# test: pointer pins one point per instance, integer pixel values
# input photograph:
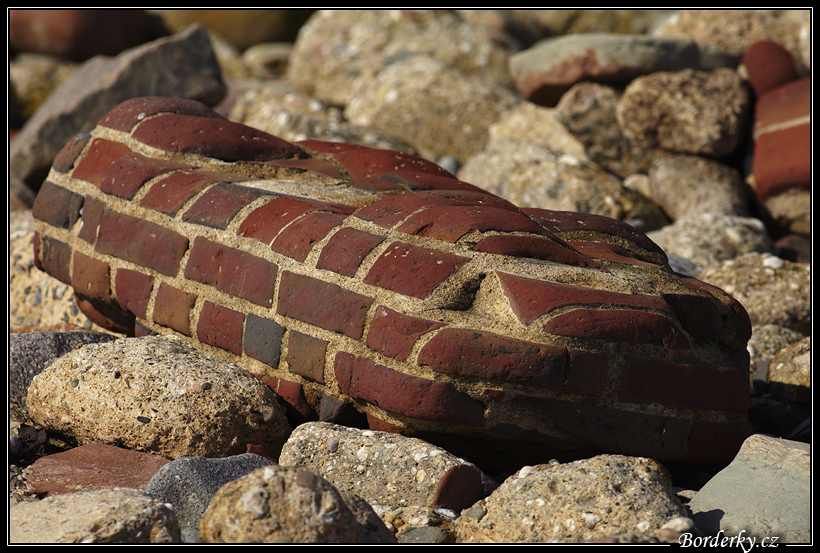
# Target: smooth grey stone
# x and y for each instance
(189, 484)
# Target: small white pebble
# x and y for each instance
(643, 526)
(773, 262)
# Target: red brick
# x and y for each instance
(133, 290)
(393, 208)
(604, 251)
(767, 65)
(706, 386)
(322, 304)
(710, 441)
(293, 398)
(530, 298)
(619, 325)
(212, 137)
(306, 356)
(219, 205)
(698, 315)
(57, 206)
(106, 315)
(266, 222)
(263, 339)
(135, 110)
(232, 271)
(402, 394)
(101, 155)
(173, 191)
(601, 428)
(586, 372)
(93, 210)
(569, 223)
(413, 270)
(298, 238)
(418, 180)
(91, 277)
(172, 308)
(496, 358)
(535, 247)
(65, 159)
(739, 318)
(394, 334)
(220, 327)
(360, 161)
(346, 250)
(128, 173)
(141, 242)
(449, 223)
(459, 488)
(54, 258)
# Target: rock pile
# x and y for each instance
(725, 198)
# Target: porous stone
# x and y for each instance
(31, 352)
(790, 373)
(344, 274)
(531, 175)
(709, 239)
(765, 343)
(189, 484)
(576, 502)
(384, 468)
(159, 395)
(736, 30)
(764, 493)
(545, 71)
(113, 516)
(277, 504)
(588, 111)
(688, 111)
(287, 112)
(773, 290)
(92, 467)
(433, 106)
(691, 185)
(337, 48)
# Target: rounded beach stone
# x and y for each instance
(117, 515)
(158, 395)
(696, 112)
(574, 502)
(278, 505)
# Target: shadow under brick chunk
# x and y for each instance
(403, 394)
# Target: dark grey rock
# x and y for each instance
(31, 352)
(189, 484)
(180, 66)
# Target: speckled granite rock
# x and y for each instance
(119, 515)
(159, 395)
(773, 290)
(574, 502)
(385, 468)
(278, 505)
(790, 373)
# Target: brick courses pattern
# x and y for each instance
(338, 273)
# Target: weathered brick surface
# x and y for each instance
(367, 283)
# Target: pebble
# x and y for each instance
(601, 130)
